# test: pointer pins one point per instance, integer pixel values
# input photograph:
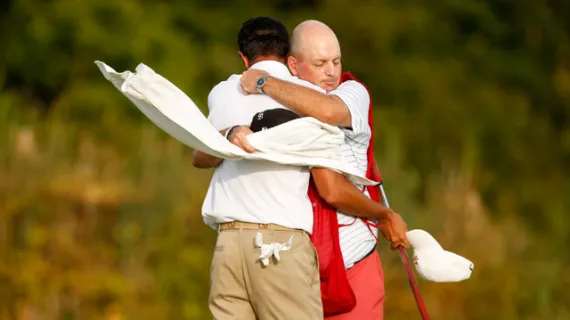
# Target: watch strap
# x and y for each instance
(229, 131)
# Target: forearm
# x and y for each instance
(308, 102)
(336, 190)
(353, 202)
(203, 160)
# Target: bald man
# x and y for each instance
(316, 57)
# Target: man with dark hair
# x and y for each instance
(246, 198)
(263, 204)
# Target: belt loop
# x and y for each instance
(219, 228)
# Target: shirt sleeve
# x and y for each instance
(357, 99)
(221, 114)
(215, 115)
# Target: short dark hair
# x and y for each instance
(262, 36)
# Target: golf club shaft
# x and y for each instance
(411, 277)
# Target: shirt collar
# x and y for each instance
(272, 67)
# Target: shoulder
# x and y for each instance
(357, 100)
(222, 102)
(354, 87)
(226, 89)
(354, 94)
(226, 86)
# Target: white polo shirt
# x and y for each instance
(356, 239)
(255, 191)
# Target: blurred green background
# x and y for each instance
(100, 209)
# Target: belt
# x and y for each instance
(253, 226)
(366, 256)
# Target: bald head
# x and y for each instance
(315, 54)
(310, 33)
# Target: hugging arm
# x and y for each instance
(203, 160)
(305, 101)
(326, 108)
(340, 193)
(337, 191)
(237, 136)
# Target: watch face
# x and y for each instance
(260, 81)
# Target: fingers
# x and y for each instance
(239, 138)
(245, 144)
(400, 241)
(394, 230)
(394, 245)
(245, 86)
(241, 141)
(398, 238)
(386, 230)
(249, 80)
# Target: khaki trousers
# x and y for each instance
(242, 288)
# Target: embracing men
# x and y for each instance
(248, 199)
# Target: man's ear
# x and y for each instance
(245, 60)
(292, 63)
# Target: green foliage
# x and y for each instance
(100, 209)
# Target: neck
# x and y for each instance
(268, 58)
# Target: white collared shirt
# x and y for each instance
(255, 191)
(356, 239)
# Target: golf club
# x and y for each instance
(411, 277)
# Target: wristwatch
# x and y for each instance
(261, 82)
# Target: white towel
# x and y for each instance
(303, 137)
(271, 249)
(433, 263)
(301, 142)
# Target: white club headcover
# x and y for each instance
(433, 263)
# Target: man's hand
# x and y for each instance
(249, 80)
(394, 230)
(238, 136)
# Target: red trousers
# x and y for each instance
(367, 281)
